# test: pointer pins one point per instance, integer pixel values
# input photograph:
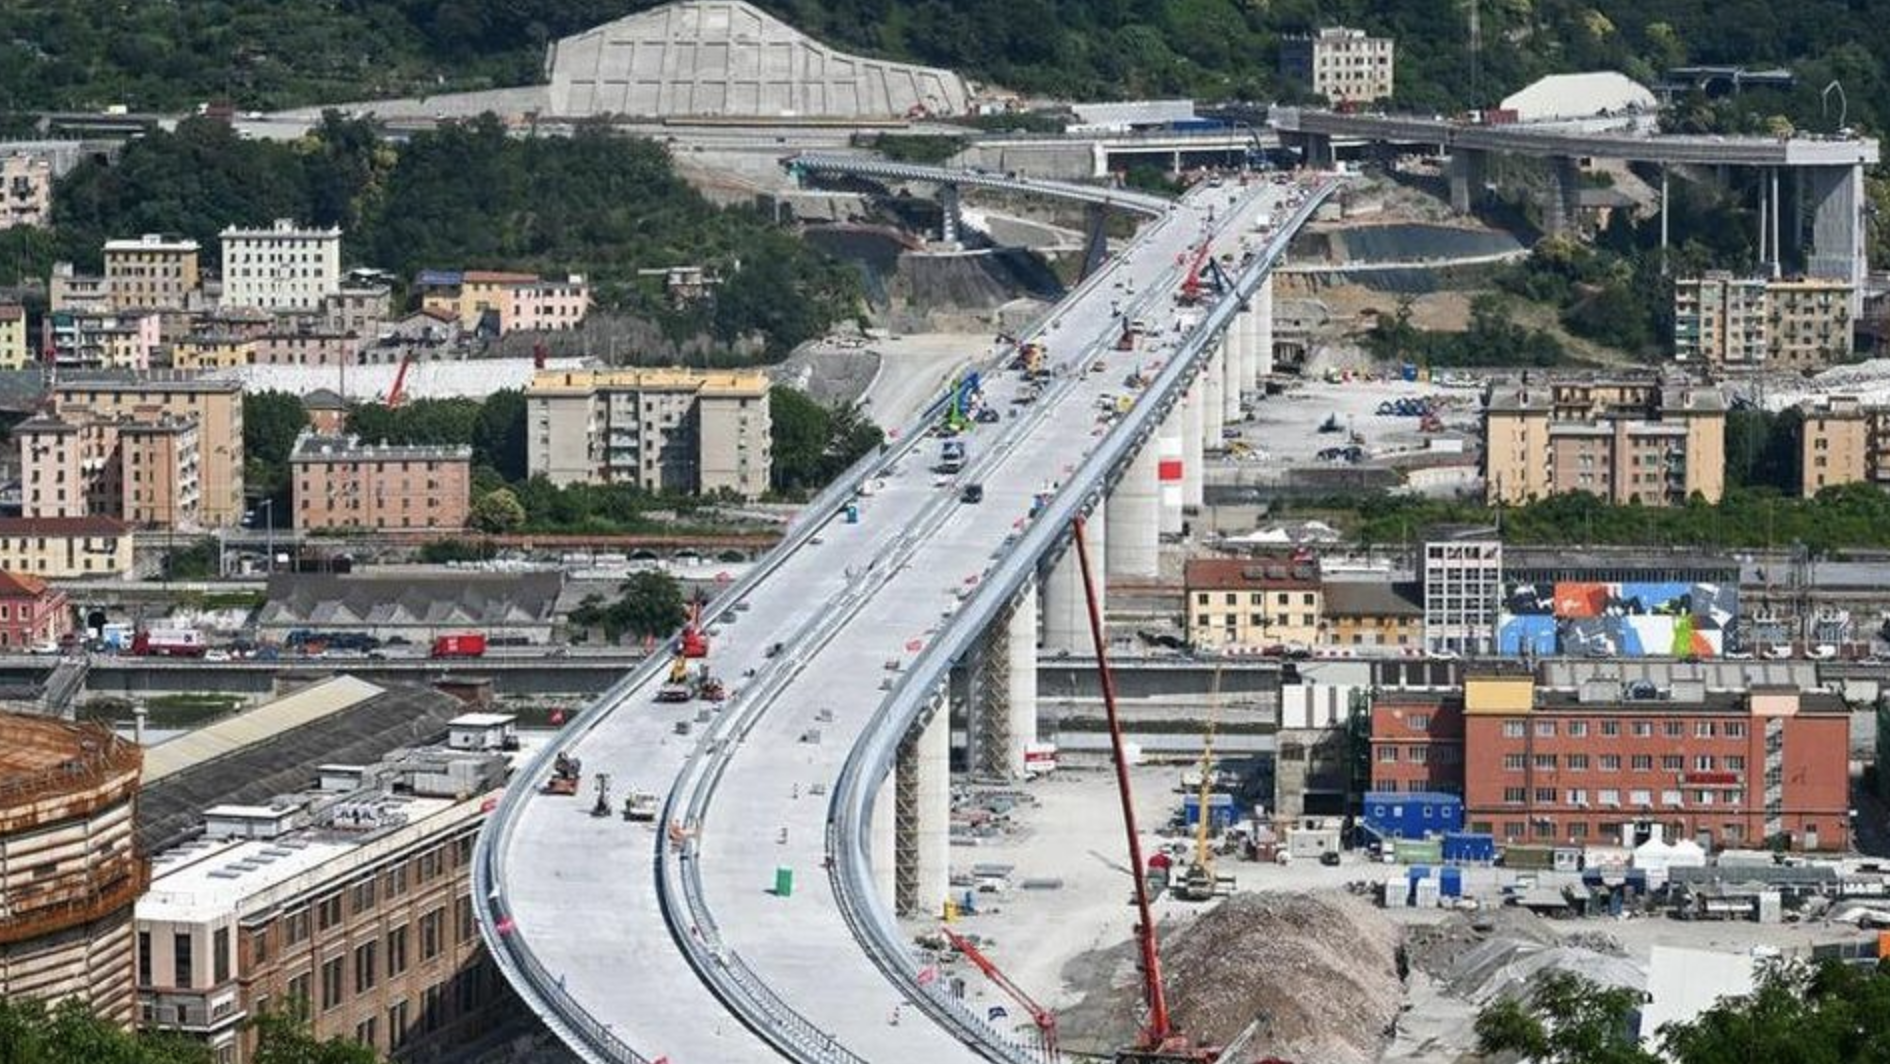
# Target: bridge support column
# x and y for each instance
(1318, 151)
(1193, 424)
(1133, 550)
(1168, 448)
(1233, 367)
(1001, 713)
(1466, 179)
(1096, 242)
(1260, 350)
(951, 215)
(1212, 384)
(1065, 613)
(885, 841)
(1836, 202)
(1561, 212)
(923, 796)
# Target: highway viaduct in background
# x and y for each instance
(757, 917)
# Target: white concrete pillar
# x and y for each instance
(1213, 383)
(1021, 635)
(884, 843)
(1233, 378)
(934, 810)
(1168, 447)
(1065, 614)
(1193, 422)
(1239, 341)
(1134, 548)
(1260, 366)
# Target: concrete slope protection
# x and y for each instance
(681, 939)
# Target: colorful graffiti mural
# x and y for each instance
(1598, 619)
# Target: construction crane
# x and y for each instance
(1199, 883)
(397, 394)
(1045, 1020)
(1159, 1042)
(695, 641)
(1192, 286)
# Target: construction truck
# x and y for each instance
(677, 686)
(566, 773)
(709, 686)
(640, 807)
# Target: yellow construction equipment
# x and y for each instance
(1198, 882)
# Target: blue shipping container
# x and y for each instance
(1220, 810)
(1397, 815)
(1469, 847)
(1452, 882)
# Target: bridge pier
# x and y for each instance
(1216, 372)
(1836, 201)
(1467, 175)
(1168, 443)
(1133, 550)
(951, 214)
(1561, 213)
(1259, 364)
(1233, 374)
(1065, 613)
(1001, 703)
(1193, 421)
(923, 800)
(1096, 240)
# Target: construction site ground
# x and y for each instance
(1070, 947)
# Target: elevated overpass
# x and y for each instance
(1816, 214)
(829, 760)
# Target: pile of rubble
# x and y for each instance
(1489, 955)
(1315, 976)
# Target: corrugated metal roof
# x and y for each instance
(234, 733)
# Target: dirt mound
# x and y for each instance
(1495, 954)
(1314, 974)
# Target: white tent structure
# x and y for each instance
(1565, 97)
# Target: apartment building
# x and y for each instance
(1417, 742)
(14, 353)
(1731, 323)
(309, 345)
(216, 404)
(59, 548)
(69, 466)
(78, 293)
(1372, 612)
(68, 868)
(359, 307)
(161, 473)
(124, 340)
(1463, 595)
(498, 302)
(1254, 603)
(351, 901)
(1722, 767)
(1622, 440)
(151, 272)
(340, 482)
(660, 429)
(282, 268)
(26, 180)
(1837, 443)
(213, 350)
(33, 613)
(1343, 65)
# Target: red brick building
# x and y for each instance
(32, 613)
(1417, 742)
(1724, 768)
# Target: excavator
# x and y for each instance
(1045, 1020)
(1198, 881)
(695, 639)
(1160, 1041)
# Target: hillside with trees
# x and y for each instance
(465, 196)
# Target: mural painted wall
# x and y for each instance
(1592, 619)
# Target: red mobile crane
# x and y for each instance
(695, 641)
(397, 394)
(1191, 285)
(1045, 1020)
(1160, 1042)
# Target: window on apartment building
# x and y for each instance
(1514, 762)
(397, 951)
(1671, 797)
(1545, 795)
(1388, 755)
(1545, 729)
(331, 983)
(1610, 728)
(298, 989)
(1672, 762)
(365, 967)
(1578, 796)
(1577, 729)
(1735, 763)
(432, 934)
(397, 1025)
(1515, 795)
(1675, 729)
(1642, 762)
(431, 1000)
(1609, 796)
(180, 960)
(1419, 721)
(144, 958)
(295, 927)
(1705, 763)
(364, 895)
(1643, 729)
(467, 931)
(1639, 797)
(1514, 729)
(328, 912)
(1544, 762)
(258, 947)
(364, 1032)
(220, 955)
(1610, 762)
(1735, 729)
(1576, 762)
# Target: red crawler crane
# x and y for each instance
(1045, 1020)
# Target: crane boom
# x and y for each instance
(397, 394)
(1203, 856)
(1045, 1020)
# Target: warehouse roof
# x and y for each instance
(231, 734)
(436, 600)
(1373, 598)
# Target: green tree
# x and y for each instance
(1564, 1019)
(498, 438)
(71, 1033)
(271, 422)
(285, 1037)
(498, 511)
(650, 605)
(799, 430)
